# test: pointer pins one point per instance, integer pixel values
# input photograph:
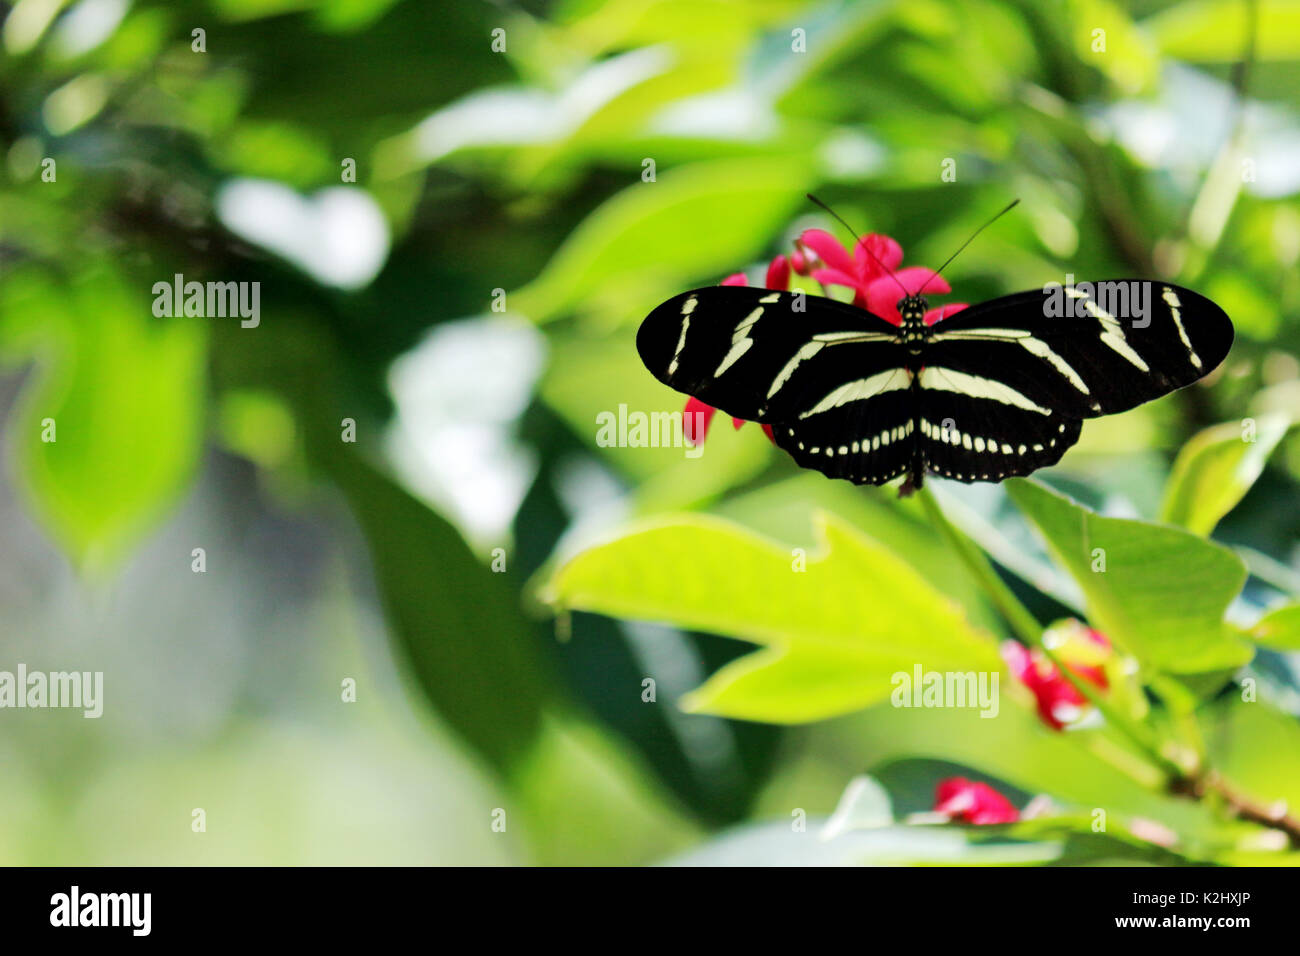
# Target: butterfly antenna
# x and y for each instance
(854, 232)
(1011, 205)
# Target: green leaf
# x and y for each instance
(1278, 629)
(786, 510)
(1163, 591)
(457, 624)
(701, 222)
(1035, 843)
(1128, 58)
(1079, 769)
(1215, 469)
(834, 635)
(1215, 31)
(864, 805)
(458, 627)
(1256, 748)
(108, 436)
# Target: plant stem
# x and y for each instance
(1030, 632)
(1198, 786)
(1022, 623)
(1196, 783)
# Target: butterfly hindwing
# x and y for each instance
(972, 439)
(866, 439)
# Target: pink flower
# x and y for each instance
(973, 802)
(696, 418)
(1082, 649)
(868, 273)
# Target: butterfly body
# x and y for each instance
(994, 390)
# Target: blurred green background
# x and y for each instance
(457, 214)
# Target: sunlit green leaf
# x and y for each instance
(108, 435)
(1278, 629)
(1215, 470)
(703, 220)
(834, 634)
(1159, 592)
(1034, 843)
(453, 620)
(786, 511)
(1216, 30)
(1105, 38)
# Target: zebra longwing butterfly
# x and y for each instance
(996, 390)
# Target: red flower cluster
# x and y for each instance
(1083, 650)
(972, 802)
(869, 271)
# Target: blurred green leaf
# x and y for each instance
(1035, 843)
(1256, 747)
(1126, 55)
(1163, 591)
(702, 220)
(589, 378)
(456, 625)
(587, 802)
(1254, 307)
(834, 634)
(455, 621)
(1278, 629)
(1215, 469)
(864, 805)
(786, 511)
(1078, 769)
(1215, 31)
(274, 150)
(121, 394)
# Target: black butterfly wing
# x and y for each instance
(761, 355)
(1007, 383)
(829, 377)
(1122, 343)
(1000, 389)
(867, 440)
(985, 439)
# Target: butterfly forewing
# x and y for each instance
(763, 355)
(1109, 353)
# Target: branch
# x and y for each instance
(1195, 786)
(1275, 817)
